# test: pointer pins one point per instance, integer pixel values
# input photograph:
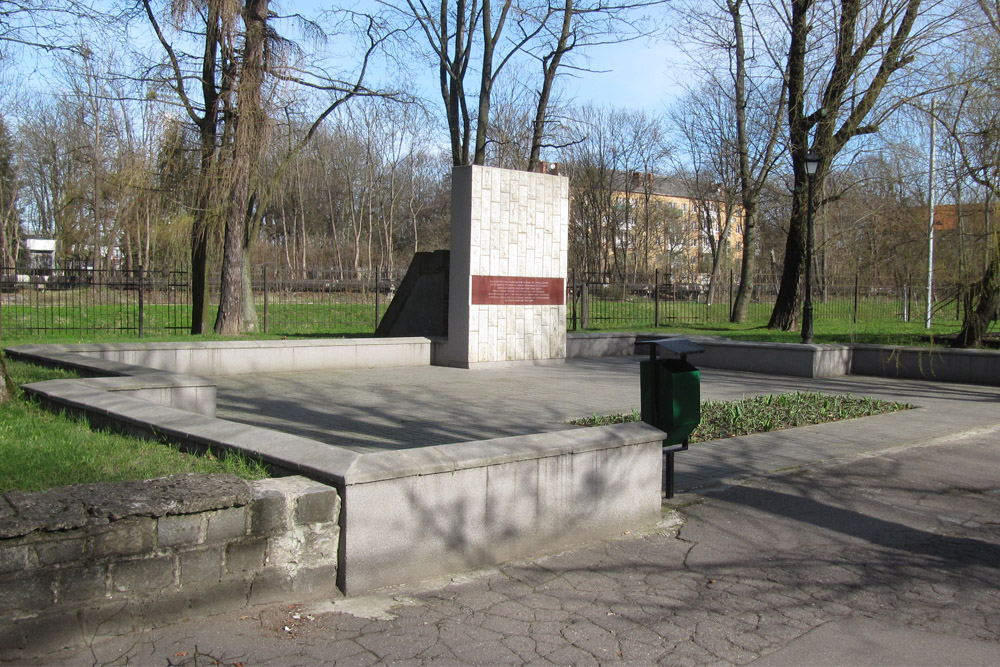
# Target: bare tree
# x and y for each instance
(214, 68)
(31, 25)
(704, 118)
(10, 185)
(497, 35)
(757, 144)
(9, 236)
(57, 175)
(740, 101)
(570, 27)
(454, 32)
(972, 121)
(249, 137)
(231, 187)
(612, 168)
(840, 62)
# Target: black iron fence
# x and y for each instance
(151, 302)
(660, 301)
(336, 302)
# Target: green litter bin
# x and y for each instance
(671, 399)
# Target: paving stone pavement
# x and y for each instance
(887, 558)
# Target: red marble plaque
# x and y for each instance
(517, 291)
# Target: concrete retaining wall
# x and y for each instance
(599, 344)
(915, 363)
(773, 358)
(242, 357)
(414, 513)
(940, 364)
(457, 507)
(80, 562)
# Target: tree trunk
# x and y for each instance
(719, 256)
(744, 293)
(8, 390)
(550, 66)
(982, 307)
(208, 127)
(799, 125)
(784, 315)
(247, 150)
(249, 307)
(199, 274)
(250, 230)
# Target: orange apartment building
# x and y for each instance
(656, 222)
(683, 219)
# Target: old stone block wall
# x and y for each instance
(83, 561)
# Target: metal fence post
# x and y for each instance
(378, 271)
(142, 314)
(857, 289)
(584, 305)
(572, 293)
(656, 298)
(266, 298)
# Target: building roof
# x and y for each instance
(665, 186)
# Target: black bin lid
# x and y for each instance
(679, 346)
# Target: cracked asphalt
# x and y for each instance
(888, 557)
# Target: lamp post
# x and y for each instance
(811, 164)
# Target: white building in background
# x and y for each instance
(41, 256)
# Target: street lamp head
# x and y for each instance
(811, 163)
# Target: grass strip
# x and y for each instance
(760, 414)
(41, 450)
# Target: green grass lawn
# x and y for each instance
(83, 315)
(39, 449)
(833, 322)
(320, 315)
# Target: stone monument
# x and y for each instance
(507, 275)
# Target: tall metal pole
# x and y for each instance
(807, 307)
(930, 230)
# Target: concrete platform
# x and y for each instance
(478, 431)
(406, 515)
(405, 408)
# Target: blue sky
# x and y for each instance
(633, 74)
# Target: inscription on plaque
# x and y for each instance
(517, 291)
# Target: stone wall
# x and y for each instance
(84, 561)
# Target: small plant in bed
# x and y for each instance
(759, 414)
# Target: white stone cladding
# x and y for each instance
(509, 224)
